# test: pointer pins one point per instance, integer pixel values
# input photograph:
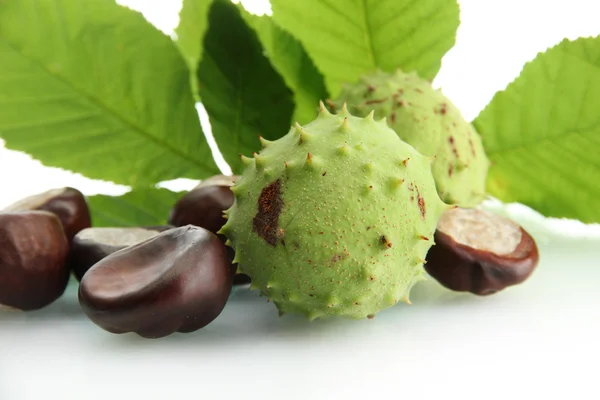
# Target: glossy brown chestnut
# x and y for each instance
(93, 244)
(480, 252)
(33, 252)
(177, 281)
(204, 205)
(67, 203)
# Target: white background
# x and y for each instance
(537, 340)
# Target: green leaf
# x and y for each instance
(243, 95)
(293, 63)
(349, 38)
(139, 207)
(92, 87)
(542, 133)
(193, 22)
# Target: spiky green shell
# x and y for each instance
(426, 119)
(335, 218)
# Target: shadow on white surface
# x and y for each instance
(568, 276)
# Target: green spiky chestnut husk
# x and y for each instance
(426, 119)
(335, 218)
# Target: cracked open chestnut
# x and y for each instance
(203, 206)
(93, 244)
(67, 203)
(33, 252)
(480, 252)
(177, 281)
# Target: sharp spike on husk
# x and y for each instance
(344, 110)
(264, 142)
(323, 111)
(397, 182)
(345, 126)
(247, 161)
(304, 137)
(309, 158)
(344, 149)
(259, 160)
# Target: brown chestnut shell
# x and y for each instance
(204, 205)
(178, 281)
(67, 203)
(33, 252)
(463, 268)
(86, 250)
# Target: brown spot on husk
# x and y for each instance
(453, 146)
(266, 221)
(338, 257)
(421, 203)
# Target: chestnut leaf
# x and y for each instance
(242, 93)
(288, 57)
(542, 133)
(139, 207)
(349, 38)
(92, 87)
(193, 22)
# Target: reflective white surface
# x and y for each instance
(538, 340)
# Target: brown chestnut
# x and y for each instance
(203, 206)
(33, 252)
(93, 244)
(67, 203)
(480, 252)
(177, 281)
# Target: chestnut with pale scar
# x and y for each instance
(177, 281)
(93, 244)
(480, 252)
(67, 203)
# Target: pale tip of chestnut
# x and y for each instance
(35, 201)
(218, 180)
(91, 245)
